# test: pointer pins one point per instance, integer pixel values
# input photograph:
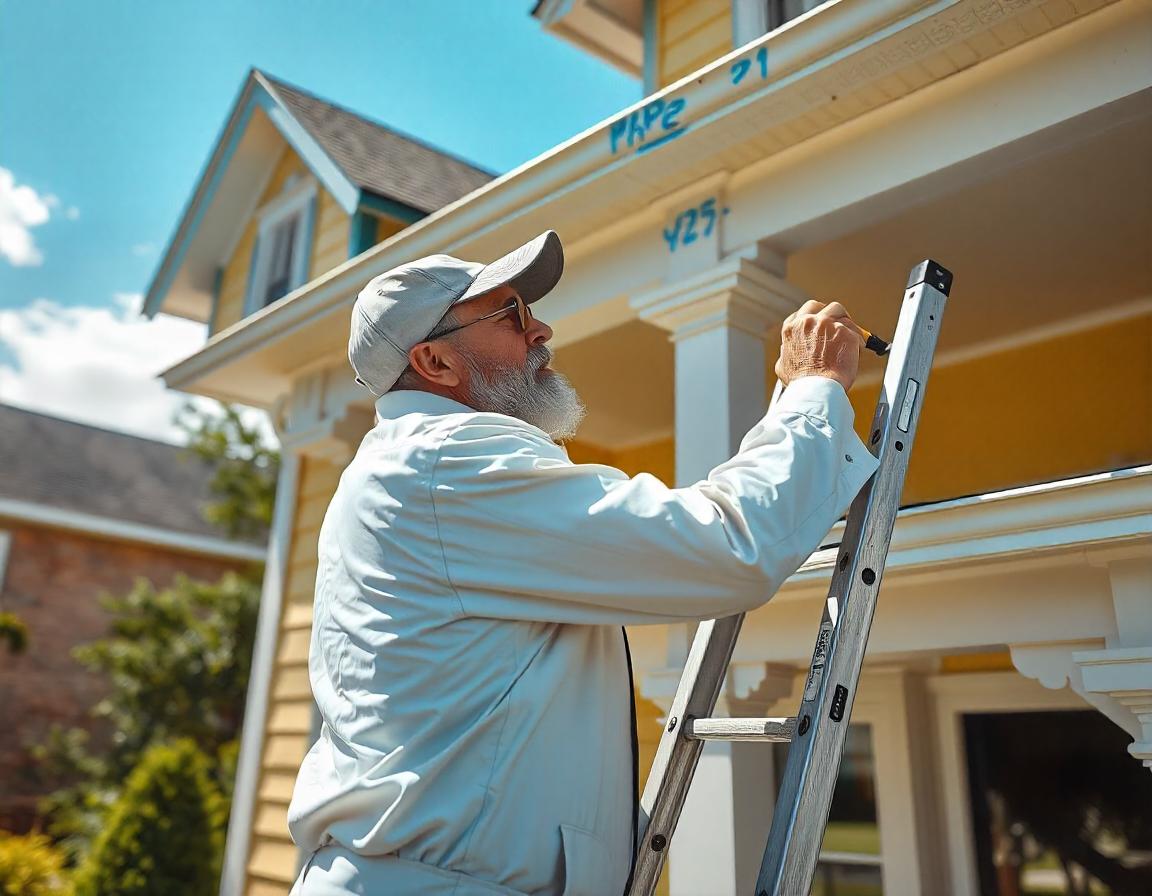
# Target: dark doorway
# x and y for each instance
(1058, 805)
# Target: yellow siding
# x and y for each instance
(690, 34)
(386, 227)
(272, 858)
(330, 233)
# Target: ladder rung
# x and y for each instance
(769, 730)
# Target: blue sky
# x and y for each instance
(109, 110)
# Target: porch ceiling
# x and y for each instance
(1061, 242)
(1065, 236)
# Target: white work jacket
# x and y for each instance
(466, 653)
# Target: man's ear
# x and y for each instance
(436, 362)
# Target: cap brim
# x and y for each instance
(532, 270)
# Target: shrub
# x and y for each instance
(163, 835)
(30, 866)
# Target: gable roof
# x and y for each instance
(70, 466)
(360, 162)
(380, 159)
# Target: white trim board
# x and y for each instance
(123, 530)
(5, 545)
(1085, 511)
(236, 847)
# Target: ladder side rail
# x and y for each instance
(804, 798)
(677, 755)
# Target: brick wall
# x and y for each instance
(53, 582)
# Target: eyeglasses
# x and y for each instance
(523, 318)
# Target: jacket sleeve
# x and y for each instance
(527, 534)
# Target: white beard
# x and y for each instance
(548, 402)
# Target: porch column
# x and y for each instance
(718, 319)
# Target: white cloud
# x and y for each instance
(21, 209)
(143, 249)
(97, 365)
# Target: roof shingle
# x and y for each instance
(378, 158)
(72, 466)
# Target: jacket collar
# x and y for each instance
(392, 405)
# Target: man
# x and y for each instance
(467, 653)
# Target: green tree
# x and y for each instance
(177, 659)
(163, 835)
(245, 467)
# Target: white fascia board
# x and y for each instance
(201, 197)
(345, 192)
(122, 530)
(1086, 511)
(816, 54)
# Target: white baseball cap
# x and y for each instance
(398, 309)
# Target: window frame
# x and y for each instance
(296, 200)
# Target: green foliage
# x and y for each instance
(164, 834)
(177, 659)
(31, 866)
(13, 632)
(245, 467)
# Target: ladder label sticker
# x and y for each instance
(819, 655)
(839, 702)
(905, 418)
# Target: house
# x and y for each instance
(787, 150)
(84, 512)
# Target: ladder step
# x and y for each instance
(767, 730)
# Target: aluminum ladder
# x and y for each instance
(817, 732)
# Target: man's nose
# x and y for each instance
(538, 332)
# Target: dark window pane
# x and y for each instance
(850, 852)
(1058, 805)
(280, 260)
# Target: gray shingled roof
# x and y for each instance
(380, 159)
(71, 466)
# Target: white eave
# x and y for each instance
(613, 30)
(1103, 511)
(824, 68)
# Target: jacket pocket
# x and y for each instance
(586, 871)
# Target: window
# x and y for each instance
(280, 254)
(850, 862)
(781, 11)
(752, 19)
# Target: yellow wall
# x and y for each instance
(1064, 407)
(657, 458)
(1060, 408)
(272, 857)
(690, 34)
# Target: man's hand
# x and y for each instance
(820, 340)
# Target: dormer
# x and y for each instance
(294, 186)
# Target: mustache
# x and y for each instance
(538, 357)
